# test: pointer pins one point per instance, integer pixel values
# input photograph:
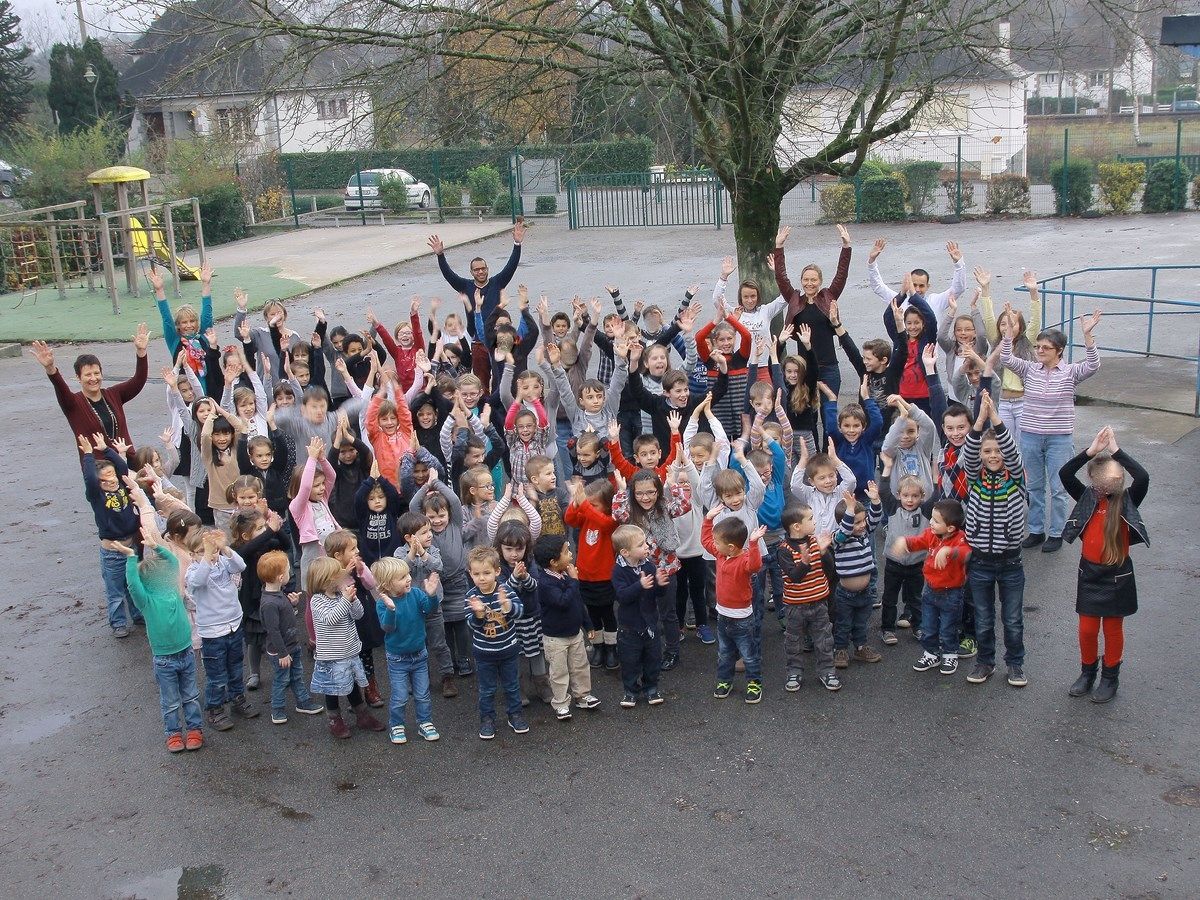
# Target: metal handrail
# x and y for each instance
(1068, 296)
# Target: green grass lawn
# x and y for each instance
(1100, 140)
(85, 316)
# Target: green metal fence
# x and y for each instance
(693, 197)
(1190, 161)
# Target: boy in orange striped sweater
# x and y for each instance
(805, 591)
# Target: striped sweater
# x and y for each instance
(996, 502)
(855, 554)
(495, 632)
(1049, 393)
(803, 579)
(333, 625)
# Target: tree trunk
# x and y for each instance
(755, 223)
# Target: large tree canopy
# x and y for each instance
(738, 65)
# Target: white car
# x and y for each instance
(367, 196)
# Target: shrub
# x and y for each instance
(484, 184)
(503, 205)
(1166, 187)
(1078, 186)
(393, 195)
(871, 168)
(837, 203)
(546, 205)
(950, 186)
(60, 163)
(222, 214)
(452, 194)
(882, 199)
(1196, 192)
(1008, 193)
(922, 179)
(1119, 182)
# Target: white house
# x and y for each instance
(982, 107)
(183, 84)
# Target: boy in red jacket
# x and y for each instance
(591, 512)
(738, 560)
(945, 572)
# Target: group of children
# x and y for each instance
(302, 505)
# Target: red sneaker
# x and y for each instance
(175, 743)
(195, 739)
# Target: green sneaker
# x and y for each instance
(754, 691)
(966, 648)
(723, 689)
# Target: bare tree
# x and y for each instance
(736, 63)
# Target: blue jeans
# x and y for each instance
(736, 637)
(1044, 456)
(176, 677)
(562, 459)
(853, 611)
(941, 612)
(409, 674)
(770, 569)
(832, 376)
(222, 668)
(985, 577)
(291, 677)
(116, 594)
(492, 670)
(640, 653)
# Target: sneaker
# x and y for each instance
(587, 701)
(628, 701)
(242, 709)
(654, 698)
(175, 743)
(841, 659)
(723, 690)
(705, 634)
(967, 648)
(1052, 545)
(889, 638)
(518, 724)
(252, 682)
(669, 661)
(753, 691)
(397, 735)
(807, 645)
(1032, 541)
(279, 717)
(981, 673)
(121, 631)
(949, 665)
(793, 683)
(1016, 676)
(195, 739)
(487, 729)
(311, 708)
(926, 662)
(219, 719)
(831, 681)
(427, 731)
(868, 654)
(878, 604)
(562, 713)
(904, 622)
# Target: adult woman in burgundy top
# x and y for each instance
(810, 305)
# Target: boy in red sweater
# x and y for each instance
(738, 559)
(945, 572)
(591, 512)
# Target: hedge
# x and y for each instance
(1078, 186)
(546, 205)
(318, 171)
(1166, 187)
(1119, 182)
(922, 178)
(882, 199)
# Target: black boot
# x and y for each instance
(1107, 688)
(595, 655)
(610, 657)
(1087, 677)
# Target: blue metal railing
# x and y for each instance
(1068, 296)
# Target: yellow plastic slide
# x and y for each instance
(142, 237)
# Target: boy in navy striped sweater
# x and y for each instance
(854, 559)
(996, 511)
(495, 609)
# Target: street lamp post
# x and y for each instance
(89, 75)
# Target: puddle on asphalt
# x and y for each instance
(35, 728)
(186, 883)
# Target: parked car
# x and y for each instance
(362, 190)
(1186, 106)
(9, 176)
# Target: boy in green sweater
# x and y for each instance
(154, 588)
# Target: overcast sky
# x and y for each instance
(45, 21)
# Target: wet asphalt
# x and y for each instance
(900, 784)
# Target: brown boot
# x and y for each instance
(867, 653)
(338, 727)
(367, 722)
(449, 688)
(372, 694)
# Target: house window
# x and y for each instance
(1048, 78)
(1097, 79)
(947, 112)
(332, 109)
(237, 123)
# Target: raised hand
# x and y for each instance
(844, 235)
(85, 446)
(907, 286)
(1099, 442)
(876, 249)
(206, 274)
(1089, 323)
(863, 391)
(120, 446)
(518, 230)
(316, 448)
(758, 533)
(952, 249)
(99, 442)
(983, 277)
(1029, 279)
(241, 298)
(835, 315)
(782, 235)
(674, 419)
(929, 358)
(414, 306)
(873, 492)
(952, 302)
(436, 245)
(897, 315)
(141, 338)
(154, 276)
(43, 354)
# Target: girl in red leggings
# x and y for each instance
(1106, 518)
